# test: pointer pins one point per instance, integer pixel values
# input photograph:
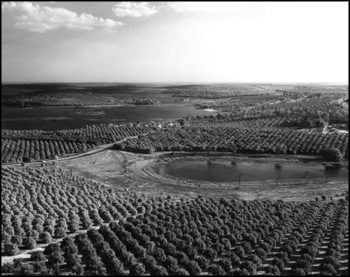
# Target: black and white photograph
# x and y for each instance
(174, 138)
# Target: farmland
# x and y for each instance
(19, 146)
(162, 235)
(226, 139)
(91, 200)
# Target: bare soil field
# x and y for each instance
(109, 167)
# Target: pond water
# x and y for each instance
(56, 118)
(226, 172)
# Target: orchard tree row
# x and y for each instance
(40, 204)
(102, 133)
(305, 114)
(229, 139)
(30, 146)
(302, 112)
(205, 92)
(304, 244)
(215, 237)
(30, 150)
(241, 101)
(239, 122)
(310, 92)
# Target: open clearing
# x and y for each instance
(107, 167)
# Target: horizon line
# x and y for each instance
(187, 82)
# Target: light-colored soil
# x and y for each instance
(141, 176)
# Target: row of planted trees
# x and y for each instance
(245, 139)
(304, 243)
(29, 146)
(18, 151)
(191, 237)
(159, 236)
(41, 204)
(102, 132)
(257, 122)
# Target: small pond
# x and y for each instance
(226, 172)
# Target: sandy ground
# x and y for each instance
(141, 176)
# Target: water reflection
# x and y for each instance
(226, 172)
(78, 117)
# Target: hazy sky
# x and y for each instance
(175, 42)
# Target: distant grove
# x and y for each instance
(300, 113)
(247, 120)
(252, 140)
(254, 136)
